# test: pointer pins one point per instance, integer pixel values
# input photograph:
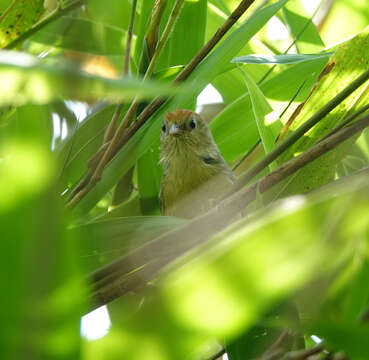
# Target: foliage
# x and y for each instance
(255, 279)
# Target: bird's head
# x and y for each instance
(185, 130)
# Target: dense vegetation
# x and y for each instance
(279, 270)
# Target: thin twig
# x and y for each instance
(299, 132)
(305, 353)
(54, 15)
(132, 271)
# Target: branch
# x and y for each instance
(305, 353)
(56, 14)
(134, 270)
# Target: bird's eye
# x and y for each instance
(192, 123)
(163, 128)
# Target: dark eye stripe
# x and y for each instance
(210, 160)
(192, 124)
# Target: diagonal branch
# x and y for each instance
(134, 270)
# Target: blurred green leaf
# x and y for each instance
(351, 338)
(74, 152)
(98, 38)
(116, 14)
(345, 19)
(27, 79)
(39, 267)
(224, 287)
(107, 239)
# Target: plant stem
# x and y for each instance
(132, 271)
(54, 15)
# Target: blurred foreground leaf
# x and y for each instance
(39, 268)
(222, 291)
(26, 79)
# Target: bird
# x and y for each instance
(195, 175)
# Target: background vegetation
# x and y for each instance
(83, 88)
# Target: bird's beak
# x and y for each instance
(174, 129)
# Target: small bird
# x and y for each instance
(195, 173)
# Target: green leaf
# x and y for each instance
(143, 21)
(26, 79)
(149, 174)
(98, 38)
(279, 59)
(302, 28)
(350, 337)
(189, 30)
(107, 239)
(261, 108)
(74, 152)
(230, 84)
(347, 64)
(17, 17)
(116, 14)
